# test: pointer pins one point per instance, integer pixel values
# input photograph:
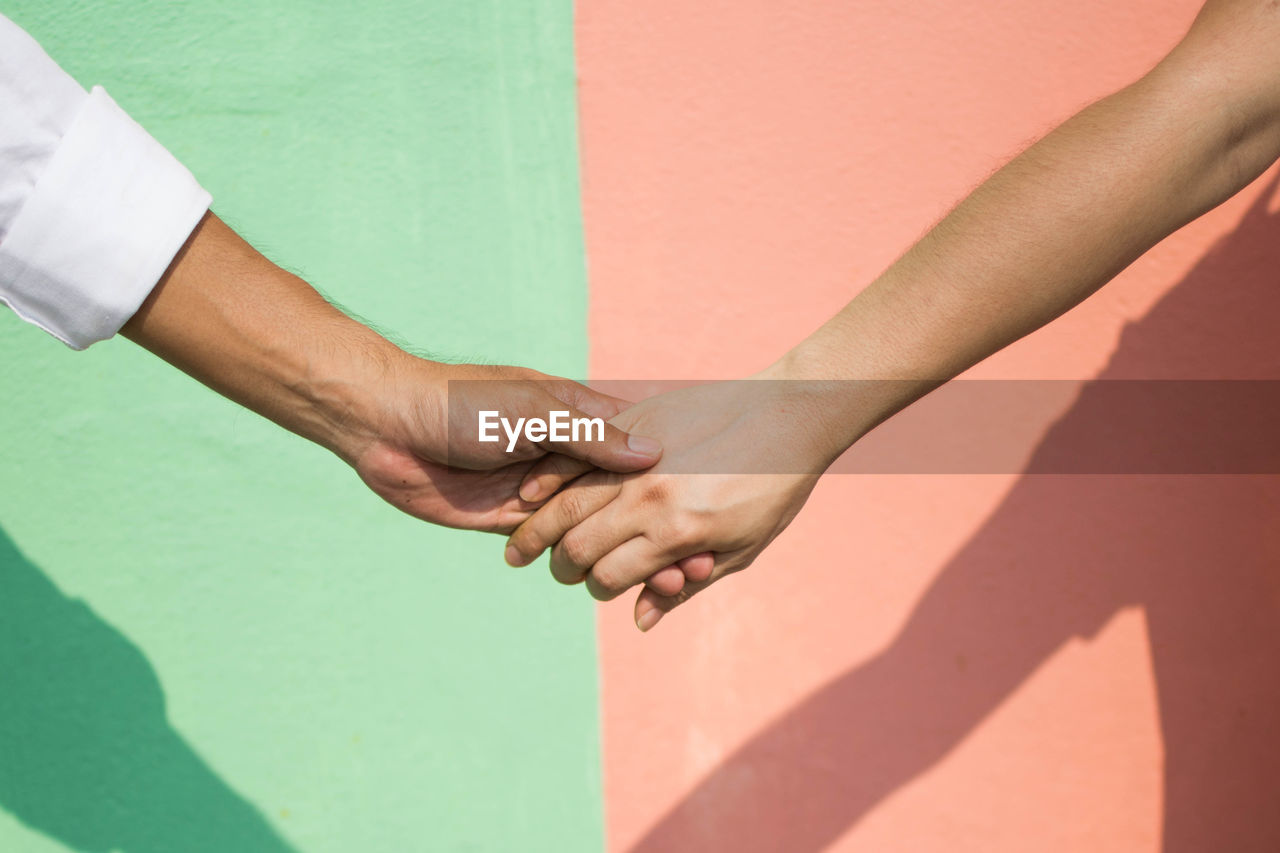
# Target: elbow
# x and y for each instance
(1227, 69)
(1228, 118)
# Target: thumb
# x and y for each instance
(596, 441)
(595, 403)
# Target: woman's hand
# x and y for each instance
(740, 459)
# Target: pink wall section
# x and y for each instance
(924, 663)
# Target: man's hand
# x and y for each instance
(251, 331)
(426, 461)
(741, 459)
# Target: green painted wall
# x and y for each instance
(211, 637)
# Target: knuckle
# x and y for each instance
(573, 505)
(609, 584)
(683, 530)
(574, 550)
(566, 577)
(562, 571)
(586, 495)
(523, 377)
(532, 399)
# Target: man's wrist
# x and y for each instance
(363, 390)
(266, 339)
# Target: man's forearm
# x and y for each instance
(1044, 232)
(265, 338)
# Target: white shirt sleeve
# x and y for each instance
(92, 209)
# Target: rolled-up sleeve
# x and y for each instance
(92, 209)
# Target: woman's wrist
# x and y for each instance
(826, 411)
(847, 392)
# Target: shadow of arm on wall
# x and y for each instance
(87, 755)
(1055, 561)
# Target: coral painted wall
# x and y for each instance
(924, 663)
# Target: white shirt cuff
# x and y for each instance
(101, 226)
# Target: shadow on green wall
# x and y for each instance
(87, 755)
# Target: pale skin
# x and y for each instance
(1046, 231)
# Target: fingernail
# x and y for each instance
(513, 556)
(531, 491)
(644, 445)
(648, 619)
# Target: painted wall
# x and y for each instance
(212, 638)
(924, 663)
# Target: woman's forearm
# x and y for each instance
(1047, 230)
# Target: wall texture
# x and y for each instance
(212, 638)
(924, 663)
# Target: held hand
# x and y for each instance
(424, 457)
(740, 460)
